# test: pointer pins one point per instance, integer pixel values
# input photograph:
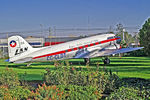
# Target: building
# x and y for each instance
(57, 40)
(34, 42)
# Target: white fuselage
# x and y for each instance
(93, 46)
(69, 50)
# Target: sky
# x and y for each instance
(21, 15)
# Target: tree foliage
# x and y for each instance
(127, 39)
(144, 37)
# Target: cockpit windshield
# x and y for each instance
(110, 37)
(118, 41)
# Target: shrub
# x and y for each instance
(137, 53)
(55, 77)
(145, 94)
(16, 93)
(9, 78)
(124, 93)
(108, 82)
(104, 81)
(19, 92)
(69, 92)
(73, 92)
(47, 93)
(64, 76)
(3, 90)
(136, 83)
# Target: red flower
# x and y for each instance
(73, 68)
(54, 87)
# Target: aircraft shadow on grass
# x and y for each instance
(81, 63)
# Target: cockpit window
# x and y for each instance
(118, 41)
(110, 37)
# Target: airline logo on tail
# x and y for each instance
(13, 43)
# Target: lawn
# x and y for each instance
(124, 67)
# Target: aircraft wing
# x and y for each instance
(105, 52)
(122, 50)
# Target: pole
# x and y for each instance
(55, 34)
(123, 33)
(41, 33)
(49, 36)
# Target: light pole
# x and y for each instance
(41, 33)
(123, 32)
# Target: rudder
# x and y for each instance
(17, 46)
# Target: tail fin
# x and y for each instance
(17, 46)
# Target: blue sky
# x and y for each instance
(17, 15)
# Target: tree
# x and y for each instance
(144, 37)
(1, 53)
(128, 39)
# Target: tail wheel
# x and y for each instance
(86, 60)
(106, 60)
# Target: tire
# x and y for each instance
(106, 61)
(86, 60)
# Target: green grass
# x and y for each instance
(125, 67)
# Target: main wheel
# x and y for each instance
(106, 61)
(86, 60)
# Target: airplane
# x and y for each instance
(98, 45)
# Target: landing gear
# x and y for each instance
(106, 61)
(29, 64)
(87, 60)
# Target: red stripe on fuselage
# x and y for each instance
(69, 50)
(109, 40)
(86, 46)
(81, 47)
(91, 44)
(75, 48)
(56, 53)
(96, 43)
